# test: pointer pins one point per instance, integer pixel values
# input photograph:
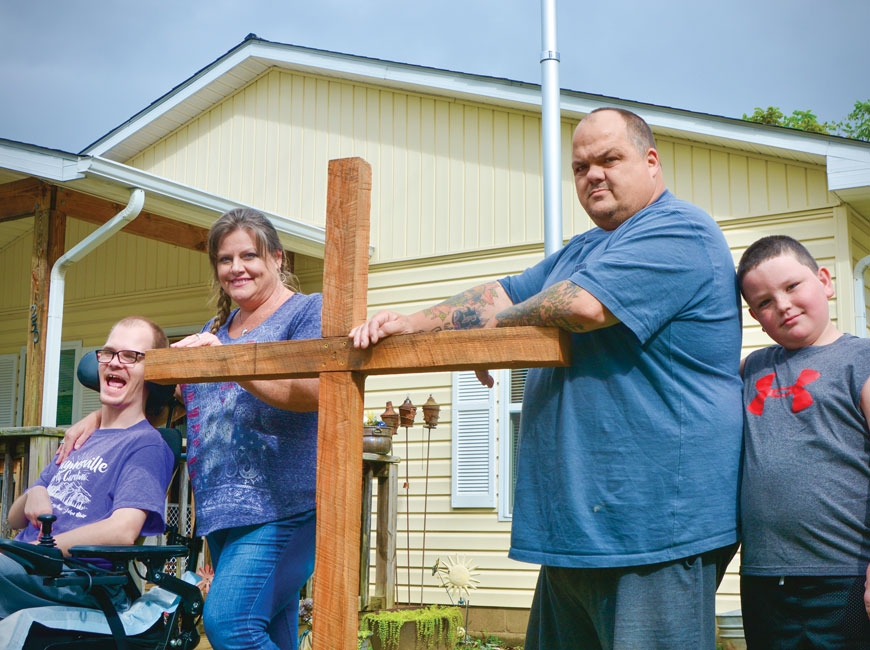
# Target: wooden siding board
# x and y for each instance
(489, 232)
(517, 188)
(405, 225)
(738, 169)
(534, 199)
(701, 179)
(470, 216)
(456, 166)
(777, 188)
(413, 177)
(682, 179)
(817, 188)
(796, 187)
(501, 179)
(720, 184)
(758, 187)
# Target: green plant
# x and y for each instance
(490, 642)
(433, 622)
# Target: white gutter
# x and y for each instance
(551, 129)
(55, 299)
(860, 301)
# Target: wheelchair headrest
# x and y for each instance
(172, 437)
(159, 395)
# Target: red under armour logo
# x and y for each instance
(801, 397)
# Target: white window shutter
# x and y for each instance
(473, 480)
(8, 388)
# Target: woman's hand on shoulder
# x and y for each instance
(76, 435)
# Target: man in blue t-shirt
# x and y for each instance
(626, 488)
(109, 491)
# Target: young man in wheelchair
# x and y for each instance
(108, 492)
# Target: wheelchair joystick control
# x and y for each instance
(46, 538)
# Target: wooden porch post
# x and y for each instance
(49, 232)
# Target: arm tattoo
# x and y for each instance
(550, 308)
(467, 310)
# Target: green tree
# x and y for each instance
(857, 123)
(772, 115)
(806, 121)
(803, 120)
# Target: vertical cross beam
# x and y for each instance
(339, 445)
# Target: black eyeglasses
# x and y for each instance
(127, 357)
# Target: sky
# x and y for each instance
(73, 70)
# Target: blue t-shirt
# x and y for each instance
(115, 468)
(249, 462)
(630, 456)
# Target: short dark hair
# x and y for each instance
(158, 336)
(639, 133)
(773, 246)
(158, 396)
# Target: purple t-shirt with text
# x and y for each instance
(115, 468)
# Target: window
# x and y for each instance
(70, 392)
(8, 383)
(513, 382)
(66, 380)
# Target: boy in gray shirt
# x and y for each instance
(805, 493)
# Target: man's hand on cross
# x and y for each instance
(380, 326)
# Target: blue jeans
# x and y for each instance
(253, 603)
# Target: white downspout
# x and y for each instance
(54, 322)
(551, 129)
(860, 302)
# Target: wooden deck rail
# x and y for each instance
(24, 451)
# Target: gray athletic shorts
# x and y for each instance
(668, 606)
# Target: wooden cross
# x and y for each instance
(342, 370)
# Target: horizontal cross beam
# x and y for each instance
(506, 347)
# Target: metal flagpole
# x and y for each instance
(551, 127)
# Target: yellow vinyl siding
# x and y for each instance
(15, 262)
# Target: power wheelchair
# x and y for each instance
(174, 604)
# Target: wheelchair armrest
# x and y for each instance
(36, 560)
(116, 554)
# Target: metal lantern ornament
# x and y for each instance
(390, 417)
(407, 413)
(431, 409)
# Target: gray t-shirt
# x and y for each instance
(805, 494)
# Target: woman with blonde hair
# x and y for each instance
(252, 445)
